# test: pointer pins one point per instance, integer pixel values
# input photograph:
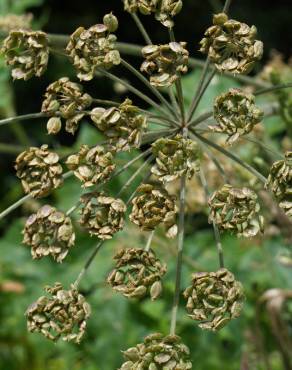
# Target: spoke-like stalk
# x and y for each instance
(273, 88)
(135, 91)
(150, 87)
(88, 263)
(180, 99)
(11, 149)
(149, 241)
(215, 228)
(232, 156)
(226, 6)
(23, 117)
(141, 28)
(203, 117)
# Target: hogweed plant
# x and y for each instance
(177, 151)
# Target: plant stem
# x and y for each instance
(203, 117)
(273, 88)
(22, 118)
(106, 102)
(149, 241)
(88, 263)
(134, 91)
(11, 149)
(232, 156)
(215, 228)
(148, 84)
(180, 99)
(14, 206)
(226, 6)
(141, 28)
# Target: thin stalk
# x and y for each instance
(23, 117)
(171, 34)
(180, 99)
(144, 180)
(72, 209)
(273, 88)
(264, 146)
(198, 98)
(172, 98)
(11, 149)
(226, 6)
(135, 174)
(141, 28)
(215, 228)
(149, 241)
(232, 156)
(88, 263)
(106, 102)
(148, 84)
(135, 91)
(203, 117)
(149, 137)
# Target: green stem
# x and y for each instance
(149, 241)
(88, 263)
(215, 228)
(232, 156)
(141, 28)
(11, 149)
(203, 117)
(14, 206)
(273, 88)
(23, 117)
(148, 84)
(180, 100)
(226, 6)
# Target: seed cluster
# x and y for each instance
(60, 314)
(49, 232)
(137, 273)
(158, 353)
(231, 45)
(214, 298)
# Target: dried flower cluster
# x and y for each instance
(66, 99)
(165, 63)
(231, 45)
(236, 114)
(27, 52)
(62, 314)
(49, 232)
(102, 215)
(123, 125)
(39, 171)
(137, 273)
(159, 353)
(236, 210)
(153, 207)
(214, 298)
(175, 157)
(94, 48)
(280, 182)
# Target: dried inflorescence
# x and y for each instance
(175, 157)
(102, 215)
(154, 207)
(231, 45)
(94, 48)
(60, 314)
(27, 52)
(214, 298)
(11, 22)
(164, 10)
(39, 171)
(280, 182)
(137, 273)
(236, 210)
(66, 99)
(236, 114)
(123, 125)
(92, 166)
(158, 353)
(49, 232)
(165, 63)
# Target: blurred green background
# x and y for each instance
(261, 338)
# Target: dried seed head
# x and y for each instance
(39, 171)
(49, 232)
(67, 99)
(164, 10)
(101, 215)
(175, 157)
(27, 52)
(11, 22)
(154, 206)
(214, 298)
(236, 114)
(231, 45)
(111, 22)
(137, 273)
(91, 166)
(280, 182)
(93, 48)
(54, 125)
(165, 63)
(158, 353)
(236, 210)
(60, 314)
(123, 125)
